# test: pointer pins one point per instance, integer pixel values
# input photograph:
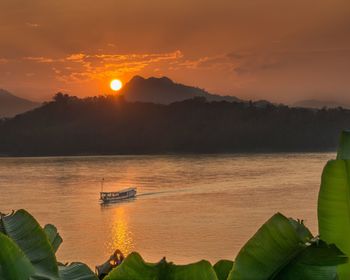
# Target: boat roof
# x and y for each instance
(123, 190)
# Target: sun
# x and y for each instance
(116, 84)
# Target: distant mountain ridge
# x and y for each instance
(164, 91)
(11, 105)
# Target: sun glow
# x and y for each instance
(116, 84)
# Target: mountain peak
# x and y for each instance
(140, 79)
(4, 93)
(165, 91)
(11, 105)
(163, 79)
(136, 79)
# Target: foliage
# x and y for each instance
(276, 244)
(317, 262)
(223, 268)
(14, 265)
(32, 248)
(134, 267)
(53, 236)
(281, 249)
(334, 202)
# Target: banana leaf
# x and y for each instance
(135, 268)
(37, 246)
(25, 231)
(274, 246)
(334, 208)
(14, 265)
(223, 268)
(317, 262)
(200, 270)
(76, 271)
(53, 236)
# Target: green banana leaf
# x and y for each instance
(76, 271)
(53, 236)
(334, 208)
(200, 270)
(25, 231)
(135, 268)
(14, 265)
(317, 262)
(274, 246)
(301, 229)
(37, 246)
(223, 268)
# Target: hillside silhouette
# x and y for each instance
(11, 105)
(110, 125)
(315, 103)
(165, 91)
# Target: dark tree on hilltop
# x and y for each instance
(110, 125)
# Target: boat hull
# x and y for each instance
(109, 197)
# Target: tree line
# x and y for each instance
(69, 125)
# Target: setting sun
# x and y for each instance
(116, 84)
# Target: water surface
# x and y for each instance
(188, 208)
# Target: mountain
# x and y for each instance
(165, 91)
(11, 105)
(314, 103)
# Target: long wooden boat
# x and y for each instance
(106, 197)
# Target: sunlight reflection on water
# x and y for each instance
(121, 237)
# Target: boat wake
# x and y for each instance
(161, 192)
(140, 195)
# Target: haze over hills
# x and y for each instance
(11, 105)
(165, 91)
(159, 91)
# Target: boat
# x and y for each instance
(107, 197)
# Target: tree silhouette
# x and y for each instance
(110, 125)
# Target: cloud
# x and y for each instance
(218, 62)
(262, 60)
(3, 60)
(32, 25)
(82, 67)
(41, 59)
(236, 62)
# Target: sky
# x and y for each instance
(279, 50)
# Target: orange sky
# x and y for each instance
(281, 50)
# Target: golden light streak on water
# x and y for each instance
(121, 236)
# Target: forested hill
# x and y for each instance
(110, 125)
